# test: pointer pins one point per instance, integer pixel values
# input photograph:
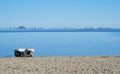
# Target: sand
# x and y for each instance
(60, 65)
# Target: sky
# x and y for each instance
(60, 13)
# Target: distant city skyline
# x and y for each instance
(60, 13)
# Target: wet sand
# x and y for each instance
(61, 65)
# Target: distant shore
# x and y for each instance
(62, 30)
(61, 65)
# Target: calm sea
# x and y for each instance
(61, 43)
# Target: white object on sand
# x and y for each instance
(22, 52)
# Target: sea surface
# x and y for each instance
(61, 43)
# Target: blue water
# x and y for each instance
(62, 43)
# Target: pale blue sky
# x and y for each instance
(60, 13)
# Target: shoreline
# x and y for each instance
(61, 65)
(62, 30)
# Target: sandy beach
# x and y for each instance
(60, 65)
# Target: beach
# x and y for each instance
(61, 65)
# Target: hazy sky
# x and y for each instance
(60, 13)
